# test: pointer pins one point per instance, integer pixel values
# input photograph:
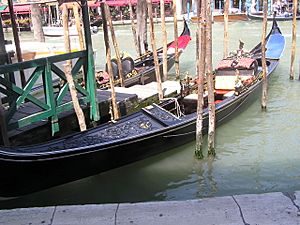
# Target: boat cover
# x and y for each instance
(242, 63)
(275, 46)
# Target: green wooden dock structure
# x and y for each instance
(14, 96)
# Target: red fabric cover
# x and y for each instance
(182, 42)
(221, 92)
(242, 63)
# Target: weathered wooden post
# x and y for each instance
(65, 20)
(4, 140)
(133, 28)
(3, 59)
(226, 9)
(77, 108)
(36, 18)
(164, 32)
(200, 55)
(50, 21)
(115, 43)
(210, 83)
(90, 68)
(16, 38)
(177, 71)
(79, 31)
(294, 37)
(152, 36)
(142, 26)
(78, 25)
(68, 73)
(263, 59)
(116, 113)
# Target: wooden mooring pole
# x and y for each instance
(73, 92)
(177, 71)
(226, 10)
(264, 63)
(3, 129)
(200, 56)
(133, 28)
(294, 37)
(4, 140)
(115, 109)
(78, 25)
(115, 44)
(164, 33)
(68, 73)
(36, 19)
(210, 83)
(65, 20)
(153, 44)
(17, 40)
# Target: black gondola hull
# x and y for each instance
(27, 176)
(24, 170)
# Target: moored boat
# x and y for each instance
(142, 70)
(58, 31)
(152, 130)
(279, 17)
(219, 17)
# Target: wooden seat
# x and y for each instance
(227, 82)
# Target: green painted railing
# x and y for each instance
(50, 103)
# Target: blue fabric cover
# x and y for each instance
(275, 46)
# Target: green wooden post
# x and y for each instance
(90, 70)
(50, 100)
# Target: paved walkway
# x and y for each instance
(263, 209)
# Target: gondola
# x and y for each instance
(142, 70)
(152, 130)
(279, 17)
(219, 17)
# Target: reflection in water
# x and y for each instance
(256, 151)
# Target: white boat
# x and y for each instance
(59, 31)
(35, 50)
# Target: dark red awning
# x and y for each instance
(133, 2)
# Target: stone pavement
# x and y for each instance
(253, 209)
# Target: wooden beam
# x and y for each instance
(3, 128)
(263, 59)
(152, 36)
(200, 57)
(294, 37)
(164, 33)
(133, 28)
(210, 84)
(115, 109)
(17, 40)
(177, 71)
(67, 70)
(115, 44)
(226, 10)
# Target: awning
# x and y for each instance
(18, 9)
(133, 2)
(2, 7)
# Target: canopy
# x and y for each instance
(126, 2)
(18, 9)
(2, 7)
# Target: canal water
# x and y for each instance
(256, 151)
